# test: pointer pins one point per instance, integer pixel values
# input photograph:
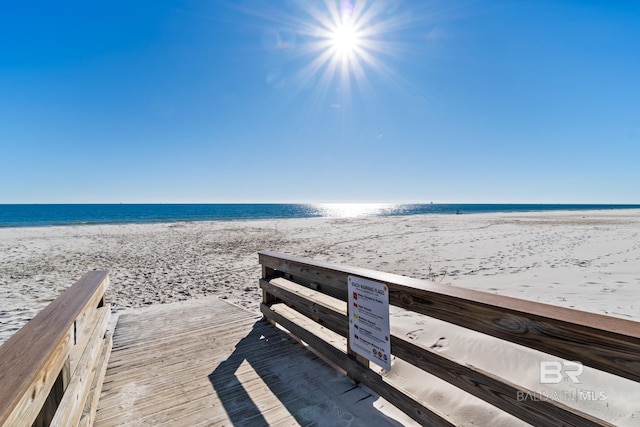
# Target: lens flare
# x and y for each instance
(337, 47)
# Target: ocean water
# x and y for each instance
(74, 214)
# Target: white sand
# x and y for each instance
(586, 260)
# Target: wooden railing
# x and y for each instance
(309, 299)
(52, 369)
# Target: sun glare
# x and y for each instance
(345, 39)
(336, 45)
(354, 210)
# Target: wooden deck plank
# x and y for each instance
(167, 319)
(174, 331)
(261, 396)
(128, 358)
(217, 364)
(167, 385)
(165, 357)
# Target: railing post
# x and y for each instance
(267, 298)
(362, 360)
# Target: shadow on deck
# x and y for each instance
(206, 362)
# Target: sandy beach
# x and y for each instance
(587, 260)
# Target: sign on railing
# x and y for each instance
(369, 320)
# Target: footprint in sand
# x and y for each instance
(441, 344)
(414, 334)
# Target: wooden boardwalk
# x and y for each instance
(211, 363)
(206, 362)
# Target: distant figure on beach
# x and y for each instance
(458, 212)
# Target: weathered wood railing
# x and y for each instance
(52, 369)
(309, 298)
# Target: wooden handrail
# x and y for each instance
(602, 342)
(38, 362)
(318, 290)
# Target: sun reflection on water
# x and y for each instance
(355, 210)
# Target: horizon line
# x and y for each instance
(326, 203)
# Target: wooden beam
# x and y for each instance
(32, 358)
(91, 404)
(75, 396)
(310, 332)
(327, 311)
(84, 326)
(48, 409)
(267, 274)
(493, 389)
(497, 391)
(330, 281)
(602, 342)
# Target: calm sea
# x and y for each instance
(74, 214)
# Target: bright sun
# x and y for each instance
(339, 42)
(345, 40)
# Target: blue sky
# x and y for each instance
(258, 101)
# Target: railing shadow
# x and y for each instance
(309, 390)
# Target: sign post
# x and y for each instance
(369, 333)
